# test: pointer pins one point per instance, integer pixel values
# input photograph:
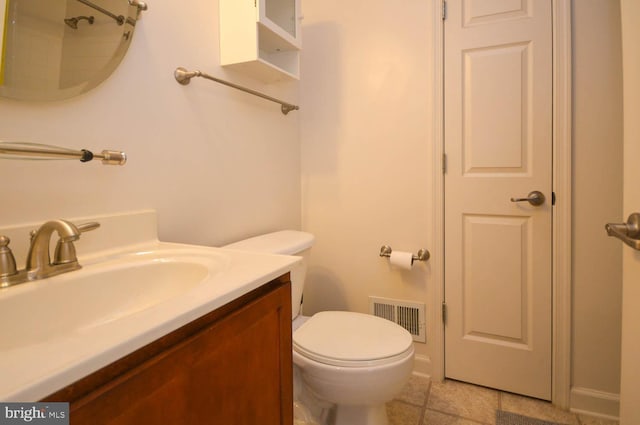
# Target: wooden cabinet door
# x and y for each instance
(237, 370)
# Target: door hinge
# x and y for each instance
(444, 313)
(444, 163)
(444, 10)
(553, 198)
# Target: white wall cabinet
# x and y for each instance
(261, 38)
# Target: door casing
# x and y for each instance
(561, 236)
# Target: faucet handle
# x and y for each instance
(85, 227)
(7, 260)
(65, 250)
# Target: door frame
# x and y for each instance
(561, 215)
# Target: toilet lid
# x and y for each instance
(340, 338)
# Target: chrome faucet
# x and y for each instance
(39, 264)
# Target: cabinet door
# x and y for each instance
(236, 371)
(281, 17)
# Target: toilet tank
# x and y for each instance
(285, 242)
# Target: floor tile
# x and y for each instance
(590, 420)
(535, 408)
(423, 402)
(401, 413)
(432, 417)
(416, 390)
(464, 400)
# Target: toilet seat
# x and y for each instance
(349, 339)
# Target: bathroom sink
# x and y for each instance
(132, 290)
(99, 294)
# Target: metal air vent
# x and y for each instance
(409, 315)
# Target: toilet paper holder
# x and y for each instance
(422, 255)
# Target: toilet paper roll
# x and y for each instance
(401, 259)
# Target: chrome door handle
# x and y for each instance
(628, 232)
(535, 198)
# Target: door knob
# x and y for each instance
(535, 198)
(628, 232)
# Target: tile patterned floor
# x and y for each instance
(423, 402)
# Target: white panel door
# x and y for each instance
(498, 142)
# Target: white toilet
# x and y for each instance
(356, 362)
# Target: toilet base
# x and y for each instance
(361, 415)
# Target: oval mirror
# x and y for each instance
(56, 49)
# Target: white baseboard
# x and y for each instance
(422, 365)
(595, 403)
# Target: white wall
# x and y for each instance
(216, 163)
(597, 190)
(368, 170)
(366, 150)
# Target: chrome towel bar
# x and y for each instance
(118, 18)
(184, 77)
(38, 151)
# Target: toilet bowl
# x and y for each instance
(352, 361)
(356, 361)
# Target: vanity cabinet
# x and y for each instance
(231, 366)
(261, 38)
